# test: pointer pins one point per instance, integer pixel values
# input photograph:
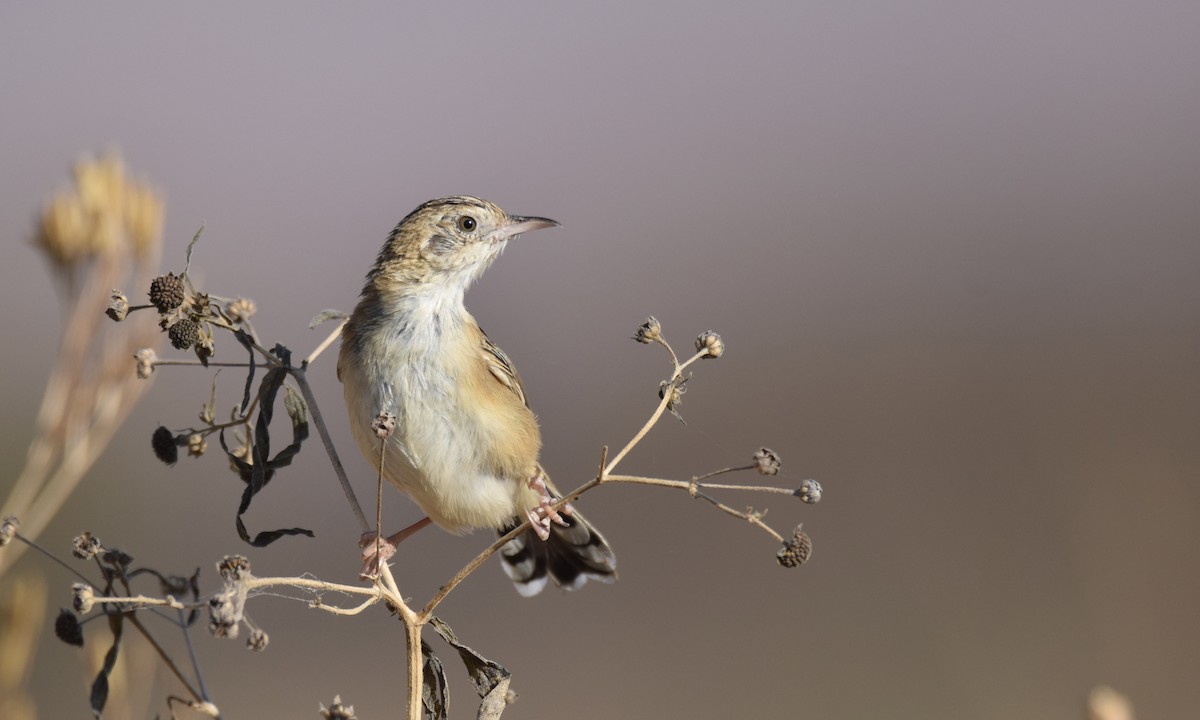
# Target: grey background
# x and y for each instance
(952, 247)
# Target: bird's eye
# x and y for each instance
(466, 223)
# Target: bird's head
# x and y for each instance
(448, 242)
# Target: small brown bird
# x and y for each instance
(465, 446)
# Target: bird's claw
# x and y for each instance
(545, 514)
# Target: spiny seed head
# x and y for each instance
(796, 551)
(67, 628)
(85, 545)
(649, 331)
(710, 344)
(809, 492)
(767, 461)
(83, 598)
(338, 711)
(163, 442)
(166, 292)
(145, 362)
(118, 306)
(183, 333)
(8, 529)
(233, 567)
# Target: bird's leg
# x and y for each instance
(544, 514)
(378, 549)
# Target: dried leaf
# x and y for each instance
(434, 696)
(187, 262)
(486, 676)
(100, 684)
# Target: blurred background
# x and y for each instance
(953, 249)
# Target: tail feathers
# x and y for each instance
(570, 556)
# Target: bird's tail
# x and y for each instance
(571, 555)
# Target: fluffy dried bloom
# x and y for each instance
(233, 568)
(8, 529)
(383, 424)
(118, 306)
(183, 333)
(146, 357)
(711, 344)
(196, 445)
(167, 292)
(225, 613)
(104, 213)
(163, 442)
(649, 331)
(809, 492)
(67, 628)
(796, 551)
(767, 461)
(338, 711)
(258, 640)
(83, 598)
(240, 310)
(86, 545)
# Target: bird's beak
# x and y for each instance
(517, 224)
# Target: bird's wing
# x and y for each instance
(502, 368)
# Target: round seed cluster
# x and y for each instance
(166, 292)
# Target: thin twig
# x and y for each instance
(298, 373)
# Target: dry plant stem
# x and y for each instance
(166, 658)
(301, 378)
(211, 363)
(337, 332)
(55, 558)
(662, 407)
(191, 648)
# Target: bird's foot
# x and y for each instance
(378, 549)
(545, 514)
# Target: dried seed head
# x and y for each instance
(672, 391)
(146, 358)
(649, 331)
(258, 640)
(167, 292)
(163, 442)
(196, 445)
(224, 614)
(338, 711)
(8, 529)
(233, 567)
(67, 628)
(183, 333)
(711, 344)
(767, 461)
(809, 492)
(83, 598)
(205, 347)
(240, 310)
(796, 551)
(85, 545)
(384, 424)
(200, 305)
(118, 306)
